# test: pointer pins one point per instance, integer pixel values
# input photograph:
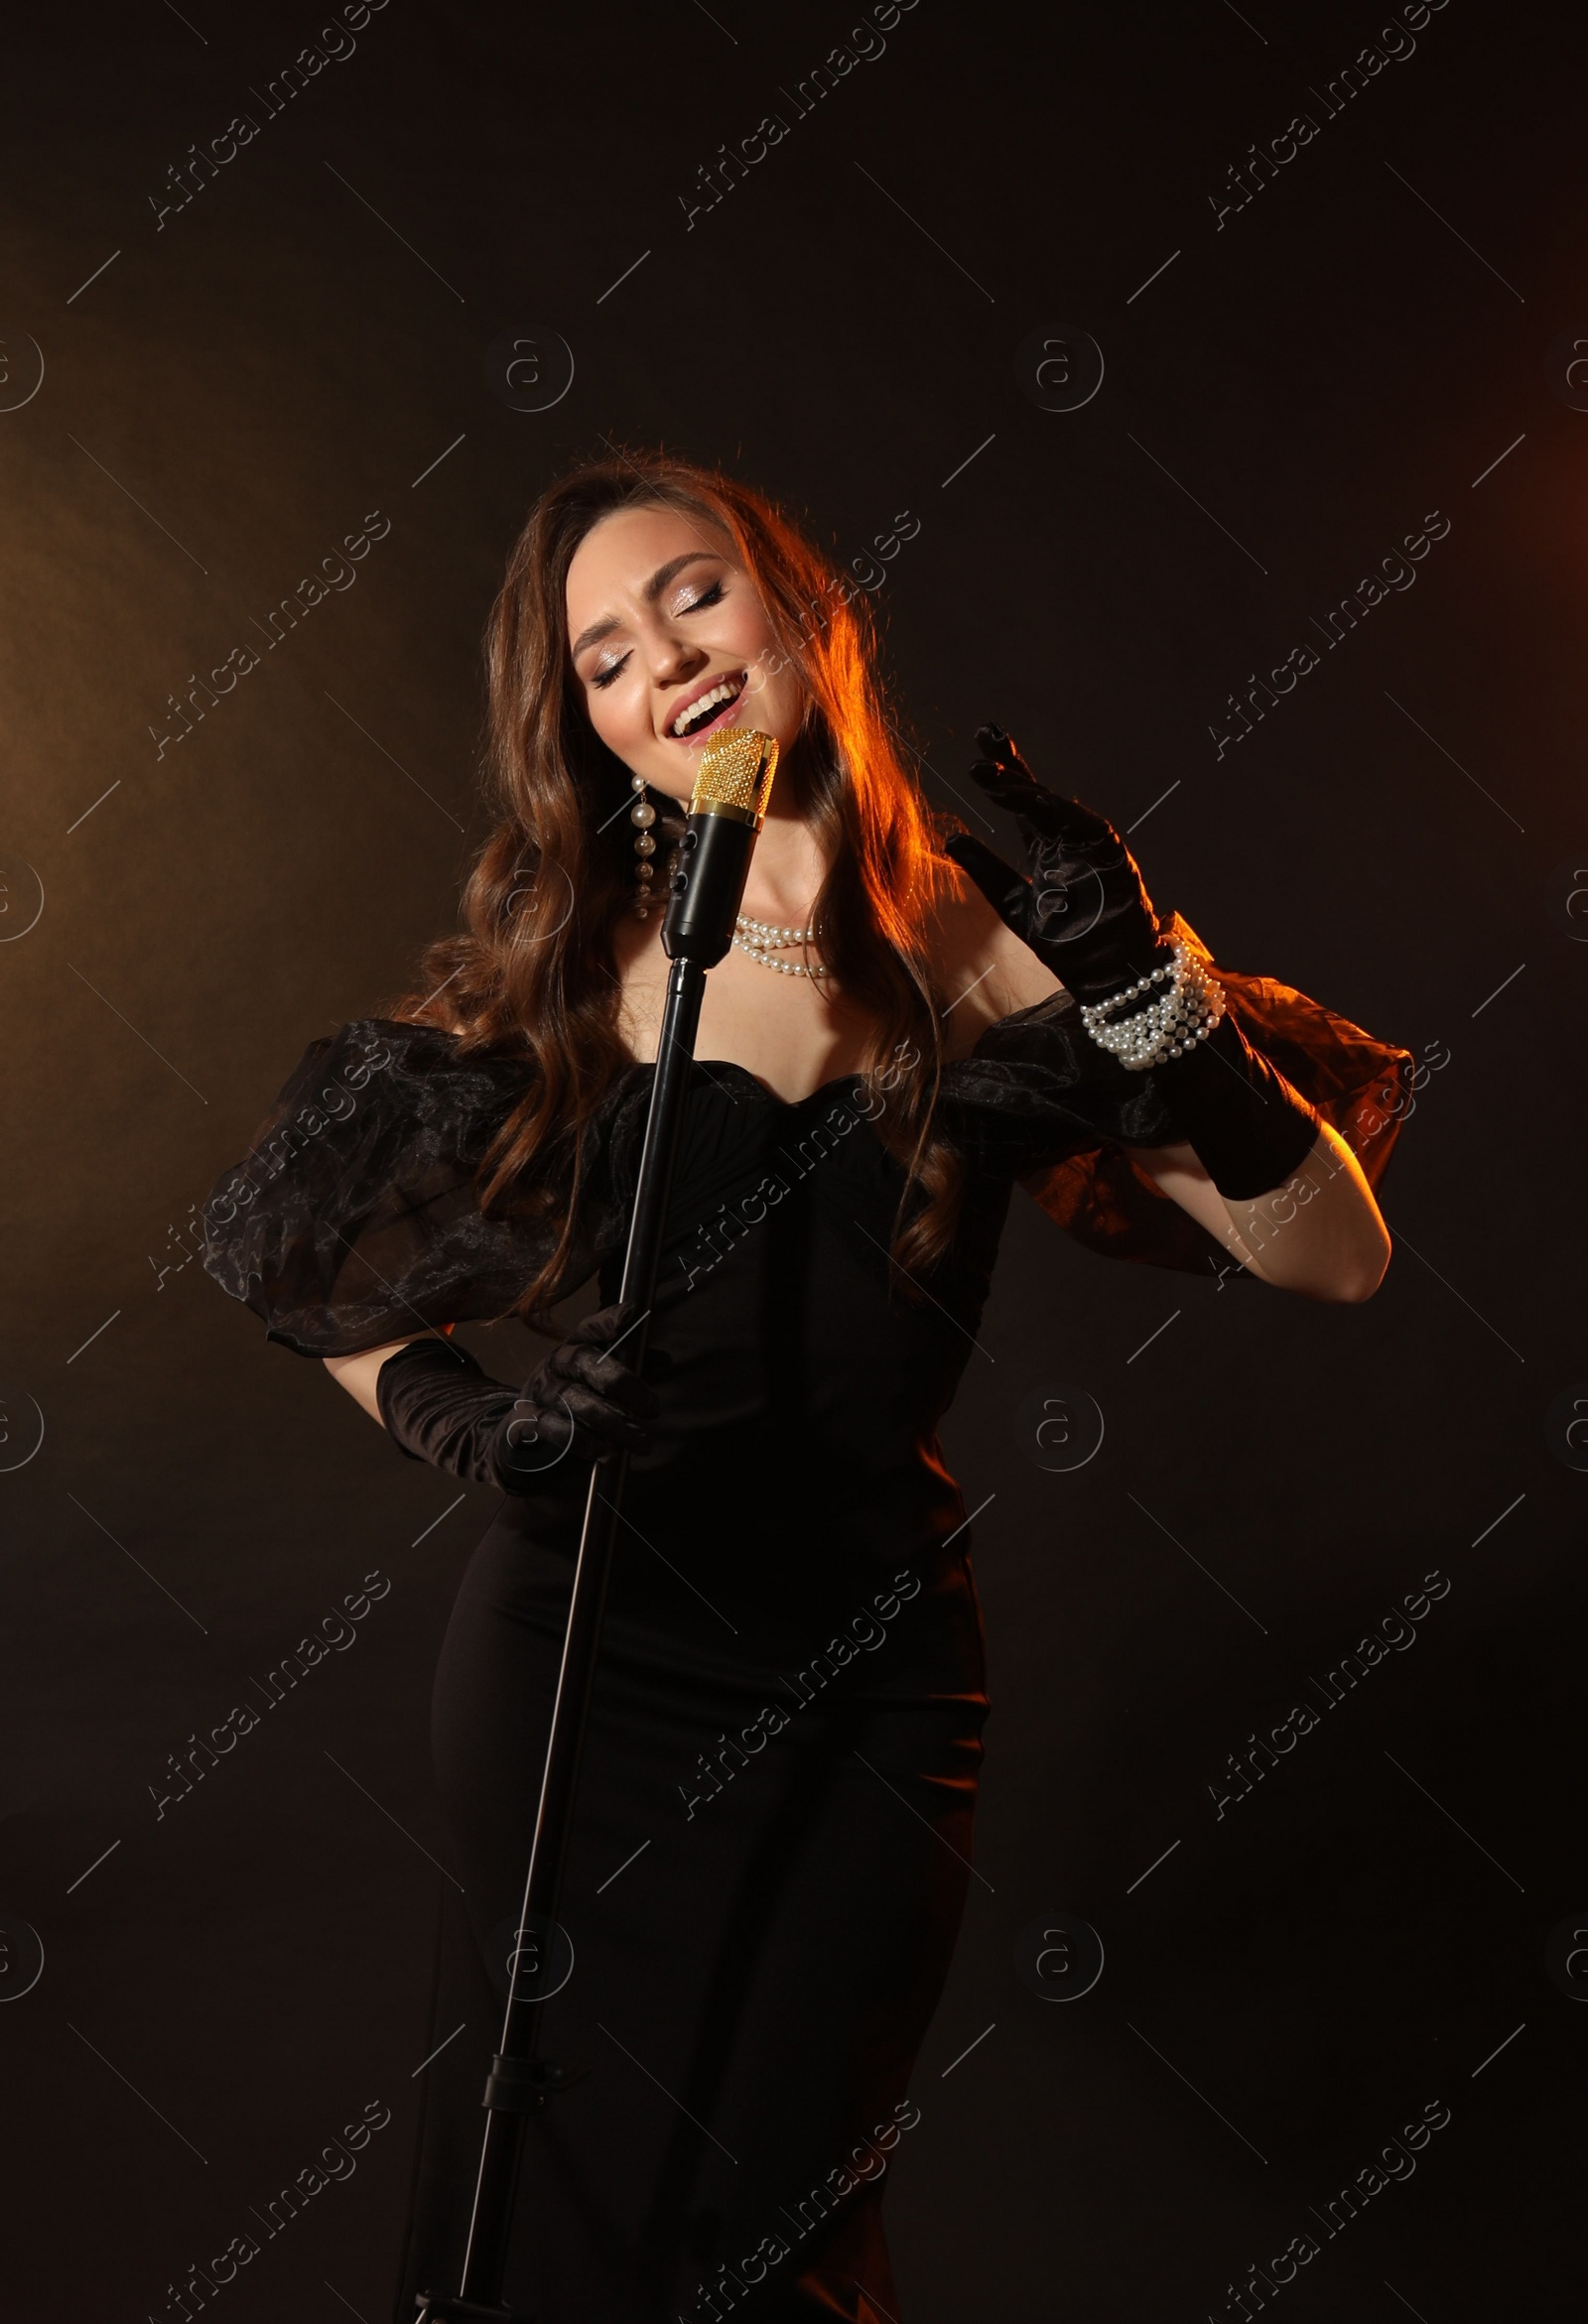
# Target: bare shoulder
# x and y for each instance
(982, 966)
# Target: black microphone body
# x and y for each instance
(727, 811)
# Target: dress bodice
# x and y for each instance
(779, 1312)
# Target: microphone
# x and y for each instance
(726, 811)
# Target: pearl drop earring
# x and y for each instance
(642, 814)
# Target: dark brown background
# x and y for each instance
(228, 399)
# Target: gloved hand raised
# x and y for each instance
(1085, 911)
(1084, 908)
(585, 1403)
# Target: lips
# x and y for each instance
(709, 705)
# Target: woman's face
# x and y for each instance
(671, 644)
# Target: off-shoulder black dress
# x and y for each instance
(774, 1824)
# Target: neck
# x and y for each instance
(787, 867)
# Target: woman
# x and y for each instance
(774, 1822)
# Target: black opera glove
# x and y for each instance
(1248, 1128)
(440, 1405)
(1085, 910)
(1086, 913)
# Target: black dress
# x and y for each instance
(773, 1835)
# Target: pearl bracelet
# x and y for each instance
(1170, 1025)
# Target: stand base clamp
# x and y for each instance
(521, 2086)
(435, 2308)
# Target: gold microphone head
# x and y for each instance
(734, 777)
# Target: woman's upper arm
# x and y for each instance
(358, 1373)
(1177, 1172)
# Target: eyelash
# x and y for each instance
(710, 596)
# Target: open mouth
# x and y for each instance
(708, 709)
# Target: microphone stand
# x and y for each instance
(725, 814)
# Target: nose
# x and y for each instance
(674, 660)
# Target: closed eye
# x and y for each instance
(605, 676)
(710, 596)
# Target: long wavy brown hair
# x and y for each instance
(532, 968)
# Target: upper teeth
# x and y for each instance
(704, 703)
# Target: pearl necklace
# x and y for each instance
(762, 938)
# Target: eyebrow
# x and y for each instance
(652, 590)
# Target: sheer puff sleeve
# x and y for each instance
(354, 1218)
(1040, 1098)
